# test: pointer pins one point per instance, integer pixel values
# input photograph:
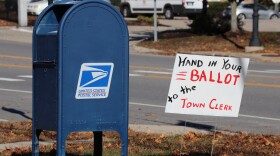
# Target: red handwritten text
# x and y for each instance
(212, 105)
(218, 78)
(187, 104)
(219, 106)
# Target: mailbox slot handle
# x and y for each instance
(44, 64)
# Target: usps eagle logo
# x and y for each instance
(94, 80)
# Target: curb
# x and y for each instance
(254, 56)
(24, 144)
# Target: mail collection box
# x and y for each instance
(80, 72)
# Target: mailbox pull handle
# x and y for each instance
(44, 64)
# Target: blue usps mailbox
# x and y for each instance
(80, 72)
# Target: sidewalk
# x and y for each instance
(23, 34)
(264, 25)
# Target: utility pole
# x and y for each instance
(22, 13)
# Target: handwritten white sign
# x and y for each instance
(206, 85)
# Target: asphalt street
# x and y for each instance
(149, 83)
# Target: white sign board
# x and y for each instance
(275, 1)
(206, 85)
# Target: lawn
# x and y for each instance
(145, 143)
(185, 41)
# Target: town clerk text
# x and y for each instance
(212, 104)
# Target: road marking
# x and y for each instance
(3, 120)
(10, 79)
(150, 68)
(262, 85)
(15, 66)
(158, 77)
(274, 71)
(26, 76)
(242, 115)
(153, 72)
(17, 91)
(265, 71)
(149, 105)
(264, 76)
(168, 77)
(142, 104)
(16, 57)
(135, 75)
(259, 117)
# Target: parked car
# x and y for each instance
(245, 11)
(35, 7)
(168, 8)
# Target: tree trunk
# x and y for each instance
(276, 6)
(233, 17)
(50, 2)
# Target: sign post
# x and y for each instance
(155, 20)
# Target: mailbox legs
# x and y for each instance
(124, 145)
(98, 143)
(35, 141)
(61, 143)
(124, 142)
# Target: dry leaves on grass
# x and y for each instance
(7, 23)
(12, 21)
(185, 41)
(142, 143)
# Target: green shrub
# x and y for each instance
(267, 3)
(210, 25)
(212, 22)
(116, 2)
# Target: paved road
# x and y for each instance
(149, 82)
(15, 80)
